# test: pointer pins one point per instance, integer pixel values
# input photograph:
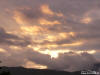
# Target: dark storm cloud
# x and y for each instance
(11, 39)
(30, 15)
(11, 57)
(45, 60)
(4, 35)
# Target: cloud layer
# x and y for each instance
(51, 34)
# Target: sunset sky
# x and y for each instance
(50, 34)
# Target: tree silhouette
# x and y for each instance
(4, 72)
(0, 67)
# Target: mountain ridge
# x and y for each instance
(30, 71)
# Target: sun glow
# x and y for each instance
(55, 53)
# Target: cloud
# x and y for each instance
(46, 22)
(36, 16)
(27, 16)
(40, 22)
(70, 61)
(46, 10)
(30, 64)
(67, 61)
(11, 39)
(84, 61)
(59, 26)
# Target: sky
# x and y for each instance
(50, 34)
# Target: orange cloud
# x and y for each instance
(46, 22)
(2, 50)
(59, 36)
(73, 44)
(55, 53)
(72, 33)
(86, 20)
(54, 45)
(16, 48)
(59, 14)
(19, 18)
(30, 64)
(46, 10)
(33, 29)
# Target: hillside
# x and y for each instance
(24, 71)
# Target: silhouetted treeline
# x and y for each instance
(24, 71)
(4, 72)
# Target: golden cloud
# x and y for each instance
(33, 30)
(46, 22)
(2, 50)
(86, 20)
(15, 48)
(30, 64)
(19, 18)
(59, 36)
(55, 53)
(73, 44)
(54, 45)
(46, 10)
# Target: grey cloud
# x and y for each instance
(31, 15)
(67, 61)
(11, 39)
(14, 58)
(70, 62)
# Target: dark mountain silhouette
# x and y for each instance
(24, 71)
